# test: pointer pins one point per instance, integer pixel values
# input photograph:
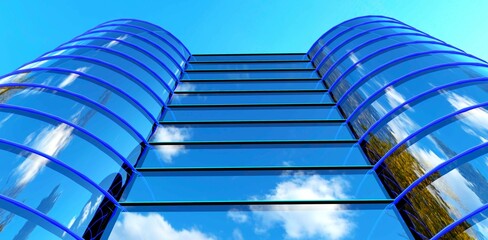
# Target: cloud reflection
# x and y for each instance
(171, 134)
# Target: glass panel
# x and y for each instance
(97, 92)
(253, 185)
(250, 155)
(427, 108)
(62, 142)
(257, 57)
(42, 185)
(144, 58)
(151, 37)
(251, 98)
(251, 113)
(288, 74)
(91, 118)
(473, 228)
(118, 79)
(248, 66)
(249, 85)
(264, 222)
(142, 43)
(17, 223)
(250, 132)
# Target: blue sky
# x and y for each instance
(30, 28)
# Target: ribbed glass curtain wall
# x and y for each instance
(75, 121)
(378, 132)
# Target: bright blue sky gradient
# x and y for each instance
(30, 28)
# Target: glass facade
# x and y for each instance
(377, 132)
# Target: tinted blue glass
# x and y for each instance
(166, 58)
(250, 98)
(266, 222)
(91, 118)
(249, 66)
(249, 132)
(250, 85)
(251, 113)
(150, 37)
(253, 185)
(116, 78)
(18, 223)
(260, 155)
(62, 142)
(302, 74)
(92, 90)
(40, 184)
(473, 228)
(251, 57)
(147, 60)
(428, 109)
(119, 61)
(371, 85)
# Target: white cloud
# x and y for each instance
(237, 216)
(50, 141)
(152, 226)
(330, 221)
(237, 235)
(70, 78)
(171, 134)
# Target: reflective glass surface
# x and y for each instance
(251, 113)
(248, 66)
(250, 132)
(257, 57)
(334, 221)
(249, 85)
(473, 228)
(255, 185)
(251, 98)
(243, 75)
(254, 155)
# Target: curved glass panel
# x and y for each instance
(164, 45)
(141, 42)
(254, 155)
(47, 187)
(116, 78)
(472, 228)
(95, 120)
(90, 89)
(145, 59)
(428, 109)
(61, 141)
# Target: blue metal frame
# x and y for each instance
(123, 55)
(342, 23)
(339, 34)
(420, 130)
(103, 63)
(157, 60)
(456, 223)
(55, 89)
(439, 66)
(416, 97)
(60, 120)
(40, 215)
(323, 61)
(61, 70)
(162, 29)
(170, 57)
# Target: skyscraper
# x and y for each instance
(378, 132)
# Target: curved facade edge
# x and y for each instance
(417, 106)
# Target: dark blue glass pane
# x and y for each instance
(251, 113)
(265, 222)
(250, 132)
(251, 98)
(228, 75)
(251, 155)
(249, 66)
